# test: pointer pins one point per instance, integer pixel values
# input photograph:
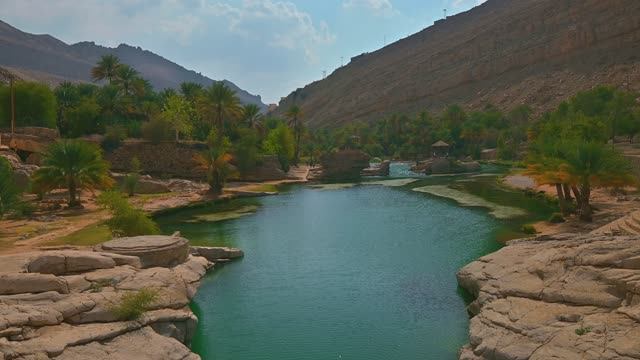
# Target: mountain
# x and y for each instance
(503, 52)
(47, 59)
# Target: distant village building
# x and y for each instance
(440, 149)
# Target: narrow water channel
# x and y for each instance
(363, 273)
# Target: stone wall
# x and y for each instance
(169, 159)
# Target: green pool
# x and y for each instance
(363, 272)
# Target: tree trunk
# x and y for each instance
(177, 136)
(585, 206)
(576, 194)
(561, 200)
(73, 201)
(567, 193)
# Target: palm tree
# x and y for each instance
(221, 104)
(191, 90)
(106, 68)
(126, 77)
(252, 116)
(216, 161)
(74, 164)
(294, 114)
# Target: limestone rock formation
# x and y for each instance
(153, 250)
(503, 52)
(59, 305)
(559, 297)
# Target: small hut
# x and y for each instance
(440, 149)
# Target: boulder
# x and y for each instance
(146, 184)
(153, 250)
(215, 254)
(72, 261)
(20, 283)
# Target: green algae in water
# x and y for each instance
(467, 199)
(225, 215)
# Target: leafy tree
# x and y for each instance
(246, 152)
(216, 161)
(35, 105)
(280, 142)
(9, 191)
(177, 111)
(74, 164)
(106, 68)
(84, 118)
(294, 113)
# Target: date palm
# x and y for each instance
(74, 164)
(252, 116)
(126, 78)
(295, 114)
(106, 68)
(220, 104)
(216, 161)
(191, 90)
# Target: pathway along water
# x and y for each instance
(361, 273)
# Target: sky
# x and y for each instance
(267, 47)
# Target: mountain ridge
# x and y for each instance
(507, 53)
(42, 57)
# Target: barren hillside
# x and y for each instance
(504, 52)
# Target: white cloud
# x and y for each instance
(278, 24)
(378, 7)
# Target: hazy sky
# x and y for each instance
(268, 47)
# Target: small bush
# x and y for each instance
(113, 137)
(9, 191)
(157, 130)
(126, 220)
(133, 305)
(556, 218)
(529, 229)
(583, 331)
(130, 182)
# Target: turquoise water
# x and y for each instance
(362, 273)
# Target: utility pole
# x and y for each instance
(13, 107)
(324, 74)
(445, 13)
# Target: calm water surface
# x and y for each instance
(361, 273)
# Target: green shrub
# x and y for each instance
(126, 220)
(583, 331)
(280, 142)
(157, 130)
(132, 305)
(9, 191)
(246, 151)
(529, 229)
(130, 182)
(113, 137)
(556, 218)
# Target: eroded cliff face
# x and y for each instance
(504, 52)
(560, 297)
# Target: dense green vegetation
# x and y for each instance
(566, 148)
(9, 191)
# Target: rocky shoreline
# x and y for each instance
(556, 297)
(59, 304)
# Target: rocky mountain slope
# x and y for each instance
(504, 52)
(47, 59)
